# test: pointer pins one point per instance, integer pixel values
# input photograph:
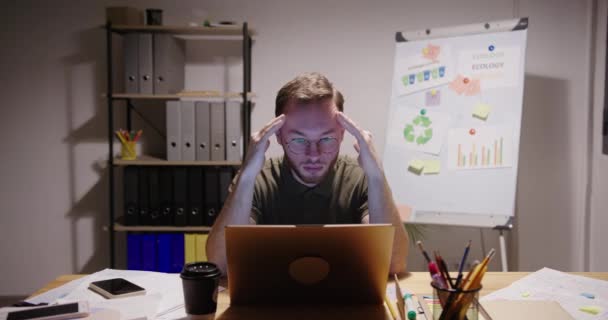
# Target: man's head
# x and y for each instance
(311, 135)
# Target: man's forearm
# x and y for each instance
(236, 211)
(382, 209)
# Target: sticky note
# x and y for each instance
(588, 295)
(525, 294)
(431, 167)
(591, 309)
(416, 166)
(482, 111)
(433, 98)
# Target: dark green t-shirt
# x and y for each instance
(341, 198)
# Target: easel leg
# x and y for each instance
(503, 251)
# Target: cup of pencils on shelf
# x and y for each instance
(456, 298)
(128, 143)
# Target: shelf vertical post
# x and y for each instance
(110, 140)
(246, 88)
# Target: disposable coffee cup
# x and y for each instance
(200, 281)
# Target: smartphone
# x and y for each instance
(55, 312)
(116, 288)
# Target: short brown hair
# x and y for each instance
(307, 88)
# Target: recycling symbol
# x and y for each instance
(419, 130)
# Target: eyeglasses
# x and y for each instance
(324, 145)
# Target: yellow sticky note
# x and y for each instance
(525, 294)
(416, 166)
(432, 167)
(482, 111)
(591, 309)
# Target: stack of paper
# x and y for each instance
(583, 298)
(164, 294)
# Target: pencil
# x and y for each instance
(390, 307)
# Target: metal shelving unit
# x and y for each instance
(241, 33)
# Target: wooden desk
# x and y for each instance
(417, 282)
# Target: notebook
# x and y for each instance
(330, 264)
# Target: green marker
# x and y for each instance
(411, 310)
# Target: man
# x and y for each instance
(310, 184)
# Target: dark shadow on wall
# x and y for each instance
(543, 235)
(94, 203)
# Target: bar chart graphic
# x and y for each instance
(479, 148)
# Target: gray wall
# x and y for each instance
(54, 184)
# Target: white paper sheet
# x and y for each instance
(566, 289)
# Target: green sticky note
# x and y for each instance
(591, 309)
(415, 166)
(432, 166)
(482, 111)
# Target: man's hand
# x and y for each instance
(368, 160)
(259, 143)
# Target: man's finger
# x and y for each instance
(349, 125)
(273, 127)
(271, 124)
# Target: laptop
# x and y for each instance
(332, 264)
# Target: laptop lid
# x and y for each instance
(308, 263)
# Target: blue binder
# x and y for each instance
(134, 250)
(149, 252)
(164, 252)
(177, 252)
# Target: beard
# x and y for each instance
(306, 172)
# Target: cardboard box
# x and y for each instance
(124, 16)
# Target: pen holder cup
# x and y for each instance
(455, 304)
(128, 151)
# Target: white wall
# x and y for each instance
(54, 193)
(597, 237)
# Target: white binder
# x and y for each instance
(187, 124)
(203, 131)
(174, 151)
(131, 52)
(145, 64)
(169, 59)
(218, 132)
(234, 130)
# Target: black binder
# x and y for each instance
(212, 196)
(143, 186)
(195, 196)
(180, 195)
(131, 213)
(165, 187)
(226, 174)
(154, 194)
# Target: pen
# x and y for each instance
(462, 262)
(426, 255)
(436, 276)
(411, 309)
(443, 268)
